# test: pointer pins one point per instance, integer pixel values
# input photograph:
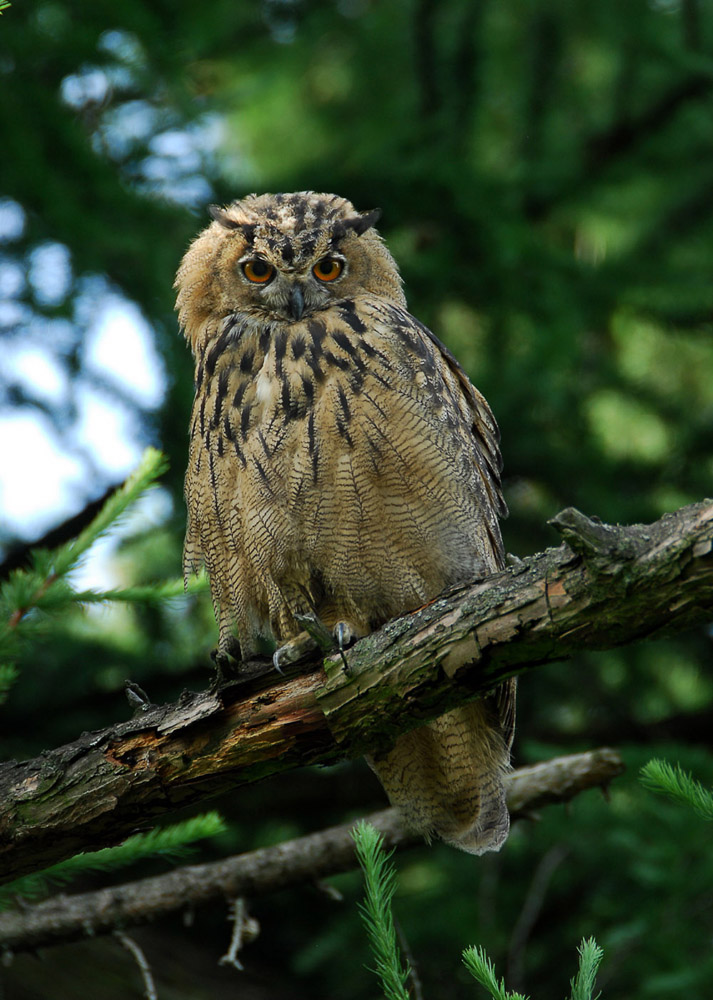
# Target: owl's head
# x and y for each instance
(281, 257)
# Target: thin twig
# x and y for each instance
(531, 909)
(408, 955)
(623, 585)
(131, 946)
(244, 929)
(65, 918)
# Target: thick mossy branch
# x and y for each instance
(606, 586)
(643, 581)
(67, 918)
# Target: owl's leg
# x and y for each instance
(328, 623)
(315, 636)
(229, 653)
(244, 643)
(299, 647)
(344, 620)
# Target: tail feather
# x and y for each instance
(446, 778)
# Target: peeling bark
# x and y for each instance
(68, 918)
(606, 586)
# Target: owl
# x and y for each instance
(340, 464)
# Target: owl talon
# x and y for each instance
(344, 635)
(341, 425)
(300, 647)
(345, 638)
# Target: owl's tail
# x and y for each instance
(446, 778)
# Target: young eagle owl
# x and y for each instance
(340, 462)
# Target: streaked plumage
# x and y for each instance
(340, 460)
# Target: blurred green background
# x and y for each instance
(545, 171)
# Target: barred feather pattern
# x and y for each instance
(341, 462)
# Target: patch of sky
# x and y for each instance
(12, 220)
(50, 273)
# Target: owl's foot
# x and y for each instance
(226, 662)
(316, 637)
(293, 650)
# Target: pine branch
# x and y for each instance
(481, 968)
(606, 586)
(662, 777)
(153, 464)
(20, 554)
(376, 912)
(169, 842)
(43, 586)
(155, 593)
(67, 918)
(590, 956)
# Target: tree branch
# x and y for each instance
(19, 554)
(607, 585)
(66, 918)
(605, 147)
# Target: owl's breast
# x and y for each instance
(341, 448)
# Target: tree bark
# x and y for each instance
(605, 586)
(62, 918)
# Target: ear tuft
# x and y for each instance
(365, 220)
(223, 219)
(358, 224)
(219, 214)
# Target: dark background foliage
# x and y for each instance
(544, 171)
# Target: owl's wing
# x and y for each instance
(486, 439)
(486, 434)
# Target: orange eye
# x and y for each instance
(258, 271)
(327, 269)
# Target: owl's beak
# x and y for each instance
(296, 302)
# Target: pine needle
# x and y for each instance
(590, 956)
(153, 464)
(155, 593)
(481, 968)
(660, 776)
(376, 913)
(171, 842)
(44, 585)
